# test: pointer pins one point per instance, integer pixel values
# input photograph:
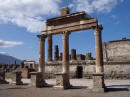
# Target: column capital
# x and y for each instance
(42, 36)
(65, 34)
(98, 28)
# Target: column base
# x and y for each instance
(40, 81)
(62, 80)
(98, 83)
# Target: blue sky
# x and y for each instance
(20, 22)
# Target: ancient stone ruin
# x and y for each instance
(65, 25)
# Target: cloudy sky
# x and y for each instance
(22, 20)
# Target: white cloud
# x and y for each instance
(7, 44)
(91, 6)
(4, 53)
(27, 13)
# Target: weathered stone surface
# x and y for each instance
(65, 11)
(117, 50)
(80, 57)
(73, 54)
(62, 80)
(40, 81)
(88, 56)
(25, 73)
(60, 57)
(56, 53)
(33, 78)
(98, 83)
(19, 78)
(49, 58)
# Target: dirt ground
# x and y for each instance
(117, 88)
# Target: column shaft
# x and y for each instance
(98, 48)
(41, 67)
(65, 60)
(49, 48)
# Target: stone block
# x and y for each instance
(26, 73)
(62, 80)
(19, 78)
(33, 78)
(40, 82)
(98, 83)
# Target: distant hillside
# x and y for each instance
(7, 59)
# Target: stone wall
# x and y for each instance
(117, 50)
(113, 70)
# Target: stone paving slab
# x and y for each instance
(11, 90)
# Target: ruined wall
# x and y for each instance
(118, 50)
(113, 70)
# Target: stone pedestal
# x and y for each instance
(19, 78)
(33, 78)
(62, 80)
(98, 83)
(40, 82)
(2, 78)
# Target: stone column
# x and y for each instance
(98, 77)
(88, 56)
(98, 48)
(73, 54)
(62, 79)
(56, 53)
(49, 58)
(65, 60)
(41, 67)
(60, 58)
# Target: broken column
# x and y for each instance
(88, 56)
(41, 67)
(19, 78)
(56, 53)
(2, 76)
(62, 79)
(60, 57)
(98, 77)
(49, 48)
(73, 54)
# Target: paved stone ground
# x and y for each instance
(119, 88)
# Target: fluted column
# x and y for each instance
(49, 57)
(98, 48)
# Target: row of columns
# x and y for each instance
(65, 56)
